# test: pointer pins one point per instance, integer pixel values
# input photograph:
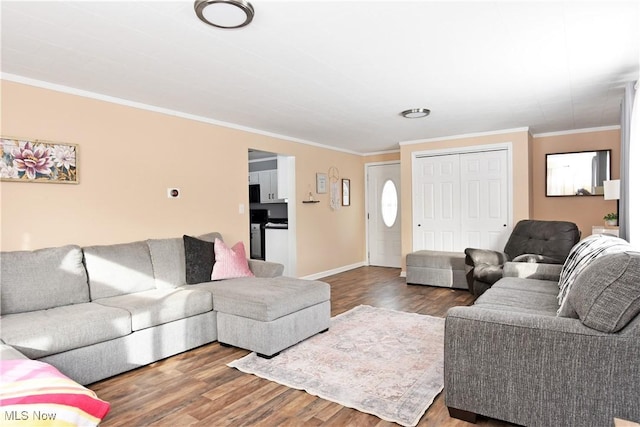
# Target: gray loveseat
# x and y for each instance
(521, 355)
(98, 311)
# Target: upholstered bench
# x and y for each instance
(270, 315)
(436, 268)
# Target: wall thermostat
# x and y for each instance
(173, 193)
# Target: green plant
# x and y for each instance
(610, 216)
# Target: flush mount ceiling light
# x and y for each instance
(415, 113)
(224, 13)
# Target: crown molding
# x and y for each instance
(142, 106)
(377, 153)
(574, 131)
(466, 135)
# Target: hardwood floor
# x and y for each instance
(197, 388)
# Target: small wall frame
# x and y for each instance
(27, 160)
(321, 183)
(346, 192)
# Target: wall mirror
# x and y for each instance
(578, 174)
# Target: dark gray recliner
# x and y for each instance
(538, 241)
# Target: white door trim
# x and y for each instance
(366, 201)
(463, 150)
(292, 215)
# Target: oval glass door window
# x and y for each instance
(389, 203)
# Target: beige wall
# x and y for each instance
(127, 159)
(584, 211)
(520, 142)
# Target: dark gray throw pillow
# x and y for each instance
(199, 259)
(606, 294)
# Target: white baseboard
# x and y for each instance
(342, 269)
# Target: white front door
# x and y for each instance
(383, 213)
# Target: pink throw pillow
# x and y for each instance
(230, 262)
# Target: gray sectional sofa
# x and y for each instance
(522, 354)
(98, 311)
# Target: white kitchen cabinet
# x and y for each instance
(254, 178)
(276, 247)
(269, 186)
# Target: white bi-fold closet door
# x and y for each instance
(461, 200)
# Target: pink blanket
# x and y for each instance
(36, 394)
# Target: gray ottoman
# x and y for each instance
(436, 268)
(270, 314)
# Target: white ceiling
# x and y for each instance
(338, 73)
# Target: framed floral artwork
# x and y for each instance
(25, 160)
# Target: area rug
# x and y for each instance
(383, 362)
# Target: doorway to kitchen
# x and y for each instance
(272, 208)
